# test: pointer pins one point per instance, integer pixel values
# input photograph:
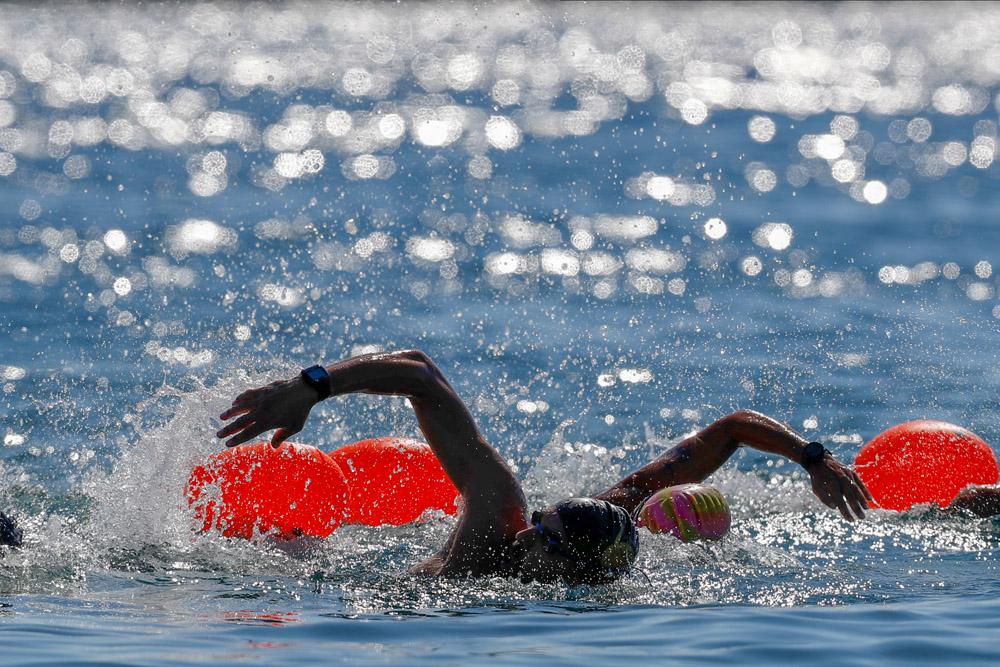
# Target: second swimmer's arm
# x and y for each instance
(983, 501)
(698, 456)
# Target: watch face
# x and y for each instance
(316, 374)
(814, 451)
(318, 379)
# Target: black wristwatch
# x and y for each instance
(317, 378)
(814, 452)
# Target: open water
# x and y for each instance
(609, 225)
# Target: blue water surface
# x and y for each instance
(609, 225)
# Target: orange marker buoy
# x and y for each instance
(924, 461)
(394, 480)
(292, 491)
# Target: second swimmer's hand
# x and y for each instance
(839, 487)
(283, 405)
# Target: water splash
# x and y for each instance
(607, 225)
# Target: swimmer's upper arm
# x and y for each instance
(680, 465)
(494, 502)
(476, 468)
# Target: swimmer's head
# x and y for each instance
(579, 540)
(10, 534)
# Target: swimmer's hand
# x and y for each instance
(839, 487)
(283, 405)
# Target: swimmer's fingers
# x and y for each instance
(831, 493)
(248, 396)
(870, 500)
(839, 503)
(840, 488)
(250, 432)
(842, 506)
(251, 395)
(842, 494)
(282, 405)
(235, 410)
(854, 498)
(243, 403)
(833, 497)
(238, 425)
(862, 490)
(824, 492)
(281, 435)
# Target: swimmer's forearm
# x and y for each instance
(407, 373)
(761, 432)
(284, 406)
(699, 456)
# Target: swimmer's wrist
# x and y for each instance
(303, 392)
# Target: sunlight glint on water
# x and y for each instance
(609, 225)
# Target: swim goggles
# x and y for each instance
(553, 541)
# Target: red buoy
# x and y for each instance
(924, 461)
(394, 480)
(291, 491)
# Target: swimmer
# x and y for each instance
(980, 500)
(578, 540)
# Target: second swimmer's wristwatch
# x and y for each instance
(317, 378)
(814, 452)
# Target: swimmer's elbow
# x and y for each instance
(741, 417)
(733, 422)
(734, 428)
(429, 375)
(418, 356)
(420, 359)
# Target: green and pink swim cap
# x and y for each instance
(689, 512)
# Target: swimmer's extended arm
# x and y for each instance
(476, 469)
(698, 456)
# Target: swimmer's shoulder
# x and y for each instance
(495, 560)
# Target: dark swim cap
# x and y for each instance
(600, 536)
(10, 534)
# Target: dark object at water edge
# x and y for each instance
(10, 534)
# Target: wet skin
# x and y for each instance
(493, 535)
